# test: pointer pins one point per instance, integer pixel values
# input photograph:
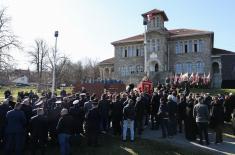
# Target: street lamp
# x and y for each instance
(54, 64)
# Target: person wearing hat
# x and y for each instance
(15, 130)
(93, 124)
(4, 108)
(74, 111)
(28, 111)
(38, 131)
(65, 130)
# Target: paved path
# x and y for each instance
(225, 148)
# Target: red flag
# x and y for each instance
(208, 78)
(204, 79)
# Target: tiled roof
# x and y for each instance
(217, 51)
(136, 38)
(154, 12)
(186, 32)
(107, 61)
(173, 34)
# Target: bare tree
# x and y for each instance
(38, 56)
(91, 70)
(7, 39)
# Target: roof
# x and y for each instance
(173, 34)
(155, 12)
(217, 51)
(107, 61)
(187, 32)
(136, 38)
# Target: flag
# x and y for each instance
(184, 77)
(180, 77)
(204, 79)
(191, 77)
(197, 78)
(208, 78)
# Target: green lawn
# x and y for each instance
(110, 145)
(14, 90)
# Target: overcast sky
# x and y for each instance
(87, 27)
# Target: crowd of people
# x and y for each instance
(53, 119)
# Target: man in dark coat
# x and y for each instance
(74, 111)
(15, 131)
(4, 108)
(117, 115)
(172, 109)
(163, 116)
(217, 119)
(181, 112)
(155, 103)
(39, 132)
(93, 124)
(65, 130)
(139, 109)
(104, 107)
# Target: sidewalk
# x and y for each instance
(225, 148)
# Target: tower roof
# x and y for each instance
(155, 12)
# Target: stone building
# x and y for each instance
(160, 52)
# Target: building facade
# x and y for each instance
(160, 52)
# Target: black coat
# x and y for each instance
(39, 128)
(155, 103)
(104, 107)
(65, 125)
(93, 120)
(217, 114)
(139, 109)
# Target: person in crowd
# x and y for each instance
(128, 120)
(139, 110)
(217, 118)
(74, 111)
(155, 103)
(181, 111)
(117, 108)
(93, 124)
(163, 114)
(7, 93)
(104, 107)
(11, 102)
(190, 126)
(172, 111)
(233, 121)
(28, 111)
(228, 108)
(82, 101)
(201, 114)
(87, 107)
(15, 131)
(4, 108)
(39, 132)
(65, 130)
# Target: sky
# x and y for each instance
(87, 27)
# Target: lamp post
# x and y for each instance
(54, 64)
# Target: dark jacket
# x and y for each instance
(4, 108)
(117, 108)
(65, 125)
(217, 114)
(172, 109)
(39, 127)
(139, 109)
(155, 103)
(163, 111)
(93, 120)
(129, 112)
(181, 109)
(104, 107)
(15, 122)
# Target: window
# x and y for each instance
(181, 47)
(178, 68)
(199, 67)
(153, 45)
(201, 45)
(158, 22)
(137, 52)
(125, 52)
(148, 45)
(186, 47)
(158, 44)
(177, 47)
(195, 46)
(190, 46)
(129, 51)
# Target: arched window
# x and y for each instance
(215, 67)
(156, 67)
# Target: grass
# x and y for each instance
(14, 90)
(110, 145)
